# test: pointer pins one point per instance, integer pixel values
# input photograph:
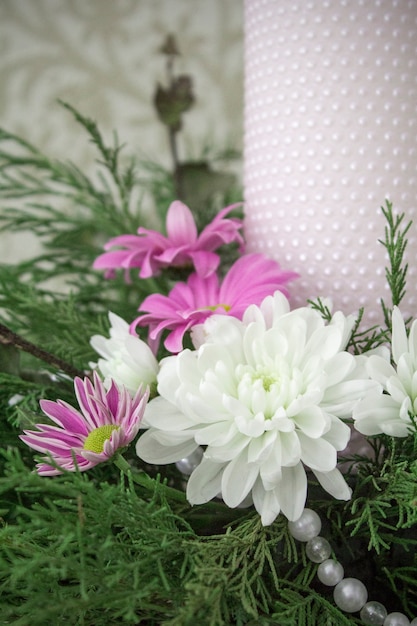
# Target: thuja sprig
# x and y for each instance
(360, 340)
(321, 307)
(124, 179)
(364, 340)
(395, 243)
(26, 173)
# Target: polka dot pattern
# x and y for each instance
(330, 133)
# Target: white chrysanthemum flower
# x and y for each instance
(126, 359)
(393, 411)
(264, 397)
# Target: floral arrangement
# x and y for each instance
(221, 458)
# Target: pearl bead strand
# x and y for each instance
(350, 594)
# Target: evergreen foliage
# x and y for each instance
(115, 546)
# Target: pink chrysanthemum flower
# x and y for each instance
(107, 422)
(250, 279)
(183, 246)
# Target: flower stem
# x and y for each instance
(208, 512)
(7, 336)
(146, 481)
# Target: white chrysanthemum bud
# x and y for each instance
(125, 358)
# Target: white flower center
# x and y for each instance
(266, 378)
(260, 389)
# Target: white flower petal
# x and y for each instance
(154, 447)
(412, 342)
(325, 342)
(224, 376)
(175, 369)
(291, 448)
(380, 369)
(238, 479)
(216, 434)
(101, 345)
(338, 434)
(334, 483)
(339, 367)
(373, 411)
(340, 399)
(405, 371)
(236, 408)
(312, 396)
(142, 357)
(225, 331)
(272, 308)
(318, 454)
(266, 503)
(389, 413)
(163, 415)
(198, 335)
(399, 341)
(345, 324)
(169, 383)
(293, 491)
(263, 396)
(253, 343)
(204, 483)
(260, 448)
(312, 421)
(202, 411)
(228, 451)
(396, 389)
(254, 426)
(119, 327)
(126, 358)
(396, 428)
(209, 355)
(271, 471)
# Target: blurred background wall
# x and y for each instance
(103, 57)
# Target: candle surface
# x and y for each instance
(330, 134)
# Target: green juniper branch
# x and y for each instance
(395, 243)
(96, 549)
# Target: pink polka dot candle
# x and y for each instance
(330, 133)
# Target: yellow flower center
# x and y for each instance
(95, 440)
(214, 307)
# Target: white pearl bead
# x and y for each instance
(188, 464)
(414, 622)
(350, 595)
(396, 619)
(373, 614)
(306, 527)
(330, 572)
(318, 549)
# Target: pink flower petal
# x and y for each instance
(66, 441)
(249, 281)
(151, 251)
(180, 224)
(221, 231)
(205, 263)
(64, 415)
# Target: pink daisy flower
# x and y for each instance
(107, 422)
(183, 246)
(250, 279)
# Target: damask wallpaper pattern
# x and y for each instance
(102, 56)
